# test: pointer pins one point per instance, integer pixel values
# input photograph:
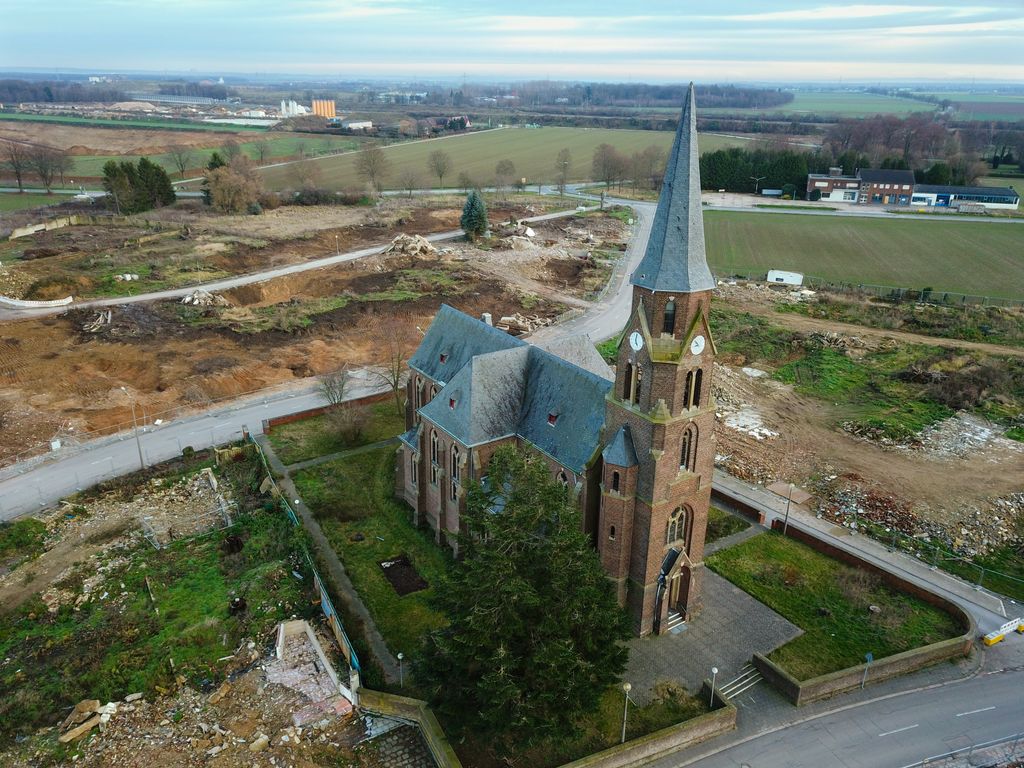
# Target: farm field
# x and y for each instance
(966, 257)
(533, 151)
(984, 106)
(129, 123)
(838, 103)
(15, 202)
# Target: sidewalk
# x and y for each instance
(989, 610)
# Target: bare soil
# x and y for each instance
(97, 140)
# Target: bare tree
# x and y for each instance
(64, 164)
(466, 181)
(230, 149)
(332, 387)
(608, 165)
(262, 149)
(182, 157)
(504, 174)
(562, 165)
(16, 157)
(45, 162)
(306, 173)
(372, 165)
(409, 179)
(394, 339)
(440, 163)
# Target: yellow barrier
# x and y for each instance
(999, 635)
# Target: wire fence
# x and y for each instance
(944, 558)
(1004, 751)
(326, 604)
(889, 292)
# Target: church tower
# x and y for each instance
(659, 418)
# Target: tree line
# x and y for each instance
(52, 91)
(46, 163)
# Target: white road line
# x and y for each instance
(101, 461)
(976, 711)
(898, 730)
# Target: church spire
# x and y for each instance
(675, 261)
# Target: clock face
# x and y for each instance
(697, 345)
(636, 341)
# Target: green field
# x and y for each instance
(838, 103)
(532, 150)
(167, 125)
(967, 257)
(979, 105)
(281, 145)
(12, 201)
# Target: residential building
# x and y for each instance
(834, 187)
(883, 186)
(634, 448)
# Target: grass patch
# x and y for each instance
(10, 201)
(904, 252)
(722, 524)
(796, 207)
(747, 338)
(312, 437)
(996, 325)
(830, 602)
(353, 499)
(597, 731)
(109, 648)
(609, 349)
(21, 540)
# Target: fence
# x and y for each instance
(996, 752)
(326, 604)
(889, 292)
(940, 557)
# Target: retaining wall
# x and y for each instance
(277, 421)
(806, 691)
(416, 711)
(67, 221)
(733, 502)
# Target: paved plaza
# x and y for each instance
(731, 627)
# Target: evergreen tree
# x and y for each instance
(535, 632)
(216, 161)
(137, 188)
(474, 216)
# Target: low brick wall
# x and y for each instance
(277, 421)
(821, 687)
(416, 711)
(736, 504)
(645, 749)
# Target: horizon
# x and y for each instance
(868, 42)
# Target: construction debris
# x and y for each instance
(519, 324)
(102, 319)
(517, 243)
(201, 298)
(412, 245)
(835, 341)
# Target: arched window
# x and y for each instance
(455, 463)
(433, 447)
(639, 381)
(627, 383)
(687, 391)
(611, 533)
(676, 526)
(414, 469)
(669, 322)
(696, 387)
(615, 481)
(563, 479)
(688, 449)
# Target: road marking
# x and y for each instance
(898, 730)
(976, 711)
(101, 461)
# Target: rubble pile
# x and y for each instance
(519, 324)
(514, 228)
(102, 319)
(411, 245)
(201, 298)
(836, 341)
(962, 435)
(517, 243)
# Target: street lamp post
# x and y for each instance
(757, 180)
(714, 676)
(401, 674)
(789, 500)
(135, 426)
(626, 688)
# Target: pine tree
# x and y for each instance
(474, 216)
(535, 632)
(216, 161)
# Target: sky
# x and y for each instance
(650, 41)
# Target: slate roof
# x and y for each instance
(675, 260)
(580, 351)
(457, 338)
(942, 189)
(524, 390)
(620, 451)
(411, 437)
(885, 176)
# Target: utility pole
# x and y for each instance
(789, 500)
(135, 426)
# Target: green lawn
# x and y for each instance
(532, 150)
(722, 524)
(830, 602)
(312, 437)
(281, 146)
(837, 103)
(108, 648)
(973, 257)
(353, 497)
(20, 540)
(12, 201)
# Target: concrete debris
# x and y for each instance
(80, 731)
(201, 298)
(127, 277)
(517, 243)
(836, 341)
(103, 318)
(260, 743)
(412, 245)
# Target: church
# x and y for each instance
(635, 447)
